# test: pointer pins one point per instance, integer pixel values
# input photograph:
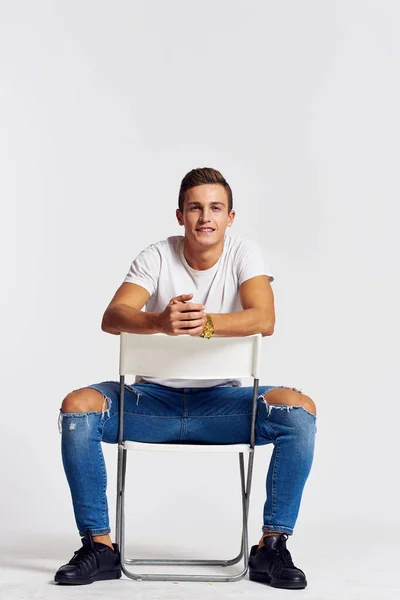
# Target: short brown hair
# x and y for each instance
(200, 177)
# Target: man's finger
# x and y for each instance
(189, 307)
(183, 297)
(190, 316)
(196, 331)
(192, 324)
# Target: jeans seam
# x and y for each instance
(267, 424)
(150, 416)
(246, 414)
(103, 466)
(184, 418)
(273, 487)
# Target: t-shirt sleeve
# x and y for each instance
(145, 269)
(251, 263)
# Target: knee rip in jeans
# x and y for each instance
(287, 407)
(107, 402)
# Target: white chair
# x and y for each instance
(187, 357)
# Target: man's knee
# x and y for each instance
(290, 397)
(308, 404)
(84, 400)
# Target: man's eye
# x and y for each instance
(216, 208)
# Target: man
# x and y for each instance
(204, 283)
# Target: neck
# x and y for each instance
(201, 258)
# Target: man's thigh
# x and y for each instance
(152, 413)
(220, 415)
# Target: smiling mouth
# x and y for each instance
(205, 229)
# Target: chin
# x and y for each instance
(209, 239)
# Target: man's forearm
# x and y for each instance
(245, 322)
(130, 320)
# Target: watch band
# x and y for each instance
(208, 329)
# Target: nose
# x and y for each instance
(204, 217)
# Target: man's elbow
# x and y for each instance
(268, 327)
(109, 330)
(106, 327)
(267, 331)
(104, 323)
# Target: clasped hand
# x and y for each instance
(183, 317)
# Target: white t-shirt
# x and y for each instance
(163, 271)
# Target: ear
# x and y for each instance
(179, 216)
(231, 218)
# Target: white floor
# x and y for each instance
(340, 565)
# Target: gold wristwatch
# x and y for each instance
(208, 330)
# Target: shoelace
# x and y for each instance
(84, 556)
(284, 558)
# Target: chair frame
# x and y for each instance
(245, 490)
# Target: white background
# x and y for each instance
(104, 107)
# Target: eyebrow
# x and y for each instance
(213, 203)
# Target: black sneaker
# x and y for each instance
(92, 562)
(273, 565)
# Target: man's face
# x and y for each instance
(205, 214)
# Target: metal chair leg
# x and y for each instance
(119, 496)
(185, 562)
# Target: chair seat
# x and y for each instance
(146, 447)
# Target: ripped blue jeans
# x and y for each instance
(159, 414)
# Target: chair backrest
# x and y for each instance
(188, 357)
